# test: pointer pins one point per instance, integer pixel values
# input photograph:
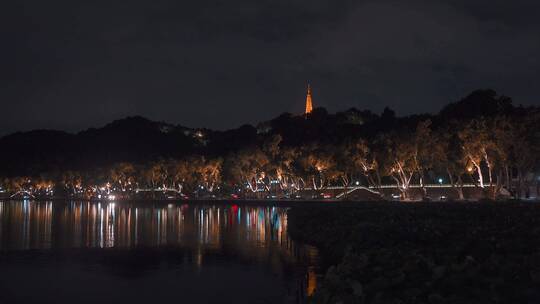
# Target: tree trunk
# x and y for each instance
(424, 190)
(460, 188)
(519, 185)
(507, 177)
(379, 180)
(456, 185)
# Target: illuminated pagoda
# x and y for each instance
(309, 104)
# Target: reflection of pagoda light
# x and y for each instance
(311, 282)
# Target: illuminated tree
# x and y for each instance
(209, 172)
(450, 158)
(72, 182)
(123, 175)
(288, 172)
(402, 160)
(516, 149)
(428, 151)
(352, 158)
(182, 175)
(276, 167)
(246, 168)
(18, 183)
(156, 175)
(317, 165)
(478, 148)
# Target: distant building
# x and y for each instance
(266, 126)
(309, 104)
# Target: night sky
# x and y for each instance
(71, 65)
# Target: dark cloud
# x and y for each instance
(71, 65)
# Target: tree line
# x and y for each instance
(482, 140)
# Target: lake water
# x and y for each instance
(89, 252)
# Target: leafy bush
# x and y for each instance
(424, 253)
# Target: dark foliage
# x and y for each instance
(138, 140)
(425, 253)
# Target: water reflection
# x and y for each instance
(43, 225)
(25, 225)
(256, 233)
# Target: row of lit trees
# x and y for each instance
(492, 153)
(184, 175)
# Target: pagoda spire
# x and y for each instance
(309, 104)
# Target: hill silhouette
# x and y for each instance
(139, 140)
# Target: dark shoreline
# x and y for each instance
(424, 252)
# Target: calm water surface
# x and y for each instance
(89, 252)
